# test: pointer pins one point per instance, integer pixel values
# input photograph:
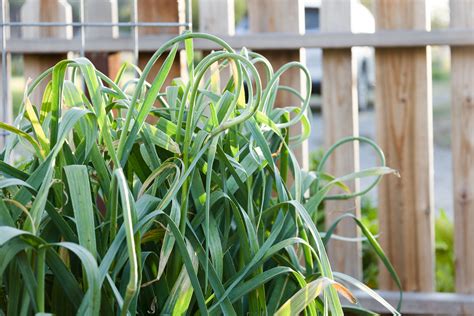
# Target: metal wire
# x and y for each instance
(188, 9)
(135, 32)
(83, 34)
(97, 24)
(4, 70)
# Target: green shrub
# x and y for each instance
(141, 199)
(370, 267)
(444, 245)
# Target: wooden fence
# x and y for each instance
(403, 108)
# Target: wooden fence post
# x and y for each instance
(6, 108)
(282, 16)
(462, 87)
(103, 11)
(404, 128)
(160, 11)
(44, 11)
(341, 119)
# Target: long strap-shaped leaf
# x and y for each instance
(128, 216)
(374, 245)
(127, 139)
(26, 136)
(80, 195)
(298, 302)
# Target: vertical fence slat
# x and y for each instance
(217, 17)
(6, 108)
(404, 127)
(44, 11)
(102, 11)
(282, 16)
(462, 87)
(340, 113)
(160, 11)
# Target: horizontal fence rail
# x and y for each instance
(258, 41)
(402, 41)
(422, 303)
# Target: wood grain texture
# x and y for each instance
(401, 15)
(462, 118)
(336, 16)
(282, 16)
(276, 16)
(341, 119)
(44, 11)
(160, 11)
(257, 41)
(103, 11)
(404, 130)
(217, 17)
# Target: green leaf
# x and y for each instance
(39, 152)
(181, 294)
(80, 195)
(298, 302)
(128, 215)
(161, 139)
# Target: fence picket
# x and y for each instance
(404, 131)
(102, 11)
(161, 11)
(282, 16)
(462, 88)
(340, 114)
(217, 17)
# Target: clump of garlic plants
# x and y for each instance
(135, 198)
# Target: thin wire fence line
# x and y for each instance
(135, 32)
(4, 70)
(97, 24)
(83, 30)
